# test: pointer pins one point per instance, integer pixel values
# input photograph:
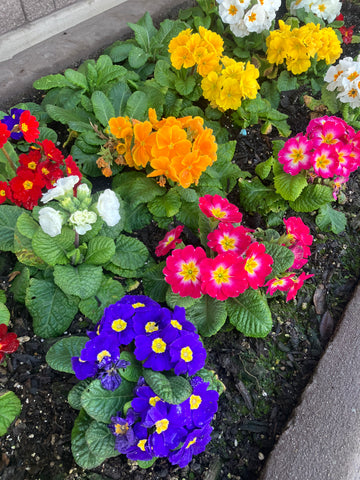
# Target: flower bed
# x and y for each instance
(77, 252)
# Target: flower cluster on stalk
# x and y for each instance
(299, 46)
(237, 261)
(176, 149)
(225, 82)
(41, 167)
(345, 79)
(330, 149)
(162, 340)
(247, 16)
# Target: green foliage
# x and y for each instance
(208, 315)
(59, 355)
(171, 388)
(10, 408)
(329, 219)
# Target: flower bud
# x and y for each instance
(108, 207)
(82, 220)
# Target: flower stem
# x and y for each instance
(7, 156)
(76, 239)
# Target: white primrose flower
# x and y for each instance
(255, 18)
(239, 29)
(62, 186)
(82, 220)
(231, 11)
(335, 74)
(50, 221)
(83, 190)
(351, 94)
(325, 9)
(108, 207)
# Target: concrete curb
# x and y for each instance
(69, 48)
(322, 439)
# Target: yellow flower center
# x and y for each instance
(121, 429)
(118, 325)
(45, 171)
(162, 425)
(195, 402)
(322, 8)
(176, 324)
(221, 275)
(352, 93)
(102, 354)
(352, 76)
(322, 161)
(141, 444)
(2, 193)
(186, 354)
(158, 345)
(252, 17)
(24, 127)
(169, 240)
(189, 271)
(296, 155)
(138, 305)
(153, 400)
(151, 327)
(217, 212)
(191, 442)
(328, 138)
(337, 75)
(28, 185)
(32, 165)
(233, 10)
(250, 265)
(228, 243)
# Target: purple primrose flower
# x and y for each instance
(123, 430)
(155, 350)
(144, 400)
(117, 322)
(194, 443)
(188, 354)
(12, 120)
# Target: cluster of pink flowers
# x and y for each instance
(330, 149)
(240, 262)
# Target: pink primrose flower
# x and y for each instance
(223, 276)
(297, 283)
(283, 284)
(182, 271)
(301, 254)
(345, 165)
(229, 238)
(297, 231)
(215, 206)
(169, 242)
(257, 265)
(338, 181)
(296, 154)
(324, 161)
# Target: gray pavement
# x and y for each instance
(322, 440)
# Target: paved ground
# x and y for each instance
(321, 441)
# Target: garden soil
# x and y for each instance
(264, 378)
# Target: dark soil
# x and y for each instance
(264, 378)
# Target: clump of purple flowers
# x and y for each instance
(162, 340)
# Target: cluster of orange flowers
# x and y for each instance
(225, 82)
(177, 149)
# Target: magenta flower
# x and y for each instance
(324, 161)
(297, 231)
(182, 271)
(301, 254)
(297, 283)
(223, 276)
(257, 265)
(215, 206)
(345, 159)
(227, 238)
(282, 284)
(296, 154)
(169, 242)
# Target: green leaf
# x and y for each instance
(8, 218)
(137, 217)
(82, 281)
(137, 57)
(52, 81)
(167, 205)
(146, 463)
(51, 309)
(20, 284)
(170, 388)
(133, 371)
(263, 169)
(250, 314)
(59, 355)
(26, 225)
(101, 440)
(286, 82)
(329, 219)
(154, 282)
(255, 196)
(189, 215)
(162, 73)
(82, 454)
(118, 96)
(185, 87)
(47, 133)
(136, 106)
(10, 408)
(101, 404)
(289, 186)
(168, 30)
(130, 253)
(103, 109)
(74, 396)
(312, 198)
(208, 315)
(77, 119)
(174, 299)
(282, 256)
(54, 250)
(136, 188)
(120, 52)
(76, 78)
(213, 380)
(110, 291)
(100, 250)
(4, 314)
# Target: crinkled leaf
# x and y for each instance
(250, 314)
(170, 388)
(211, 377)
(100, 250)
(130, 252)
(136, 188)
(137, 57)
(103, 108)
(20, 284)
(59, 355)
(133, 371)
(76, 78)
(329, 219)
(174, 299)
(4, 314)
(118, 96)
(8, 217)
(282, 256)
(185, 86)
(74, 396)
(263, 169)
(255, 196)
(52, 311)
(82, 281)
(101, 404)
(136, 106)
(54, 250)
(154, 282)
(208, 315)
(52, 81)
(312, 198)
(289, 186)
(10, 408)
(101, 440)
(166, 205)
